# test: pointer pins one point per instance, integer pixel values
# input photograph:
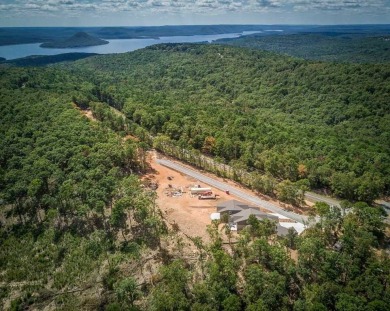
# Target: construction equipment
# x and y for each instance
(207, 197)
(199, 190)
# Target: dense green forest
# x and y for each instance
(67, 190)
(79, 230)
(328, 46)
(40, 60)
(326, 124)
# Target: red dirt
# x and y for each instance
(189, 213)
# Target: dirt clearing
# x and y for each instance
(178, 206)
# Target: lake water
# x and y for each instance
(115, 46)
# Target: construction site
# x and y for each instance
(186, 202)
(194, 190)
(183, 200)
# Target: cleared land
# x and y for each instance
(190, 214)
(233, 190)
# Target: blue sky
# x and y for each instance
(172, 12)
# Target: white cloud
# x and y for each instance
(189, 5)
(339, 5)
(200, 7)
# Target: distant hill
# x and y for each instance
(43, 60)
(80, 39)
(334, 46)
(22, 35)
(2, 59)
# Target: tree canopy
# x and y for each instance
(292, 119)
(78, 230)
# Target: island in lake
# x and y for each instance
(80, 39)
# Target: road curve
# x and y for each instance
(233, 190)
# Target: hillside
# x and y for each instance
(80, 227)
(80, 39)
(324, 46)
(68, 187)
(44, 60)
(325, 124)
(20, 35)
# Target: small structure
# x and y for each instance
(240, 219)
(298, 227)
(199, 190)
(215, 216)
(208, 196)
(240, 212)
(283, 231)
(231, 207)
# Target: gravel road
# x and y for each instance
(314, 197)
(233, 190)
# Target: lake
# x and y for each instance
(114, 46)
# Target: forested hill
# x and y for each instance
(20, 35)
(325, 46)
(67, 188)
(80, 39)
(80, 228)
(44, 60)
(259, 110)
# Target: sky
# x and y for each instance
(191, 12)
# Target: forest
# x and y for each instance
(67, 189)
(79, 39)
(41, 60)
(80, 230)
(324, 124)
(346, 47)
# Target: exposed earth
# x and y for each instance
(181, 209)
(186, 212)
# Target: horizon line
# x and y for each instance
(218, 24)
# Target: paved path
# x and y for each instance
(314, 197)
(233, 190)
